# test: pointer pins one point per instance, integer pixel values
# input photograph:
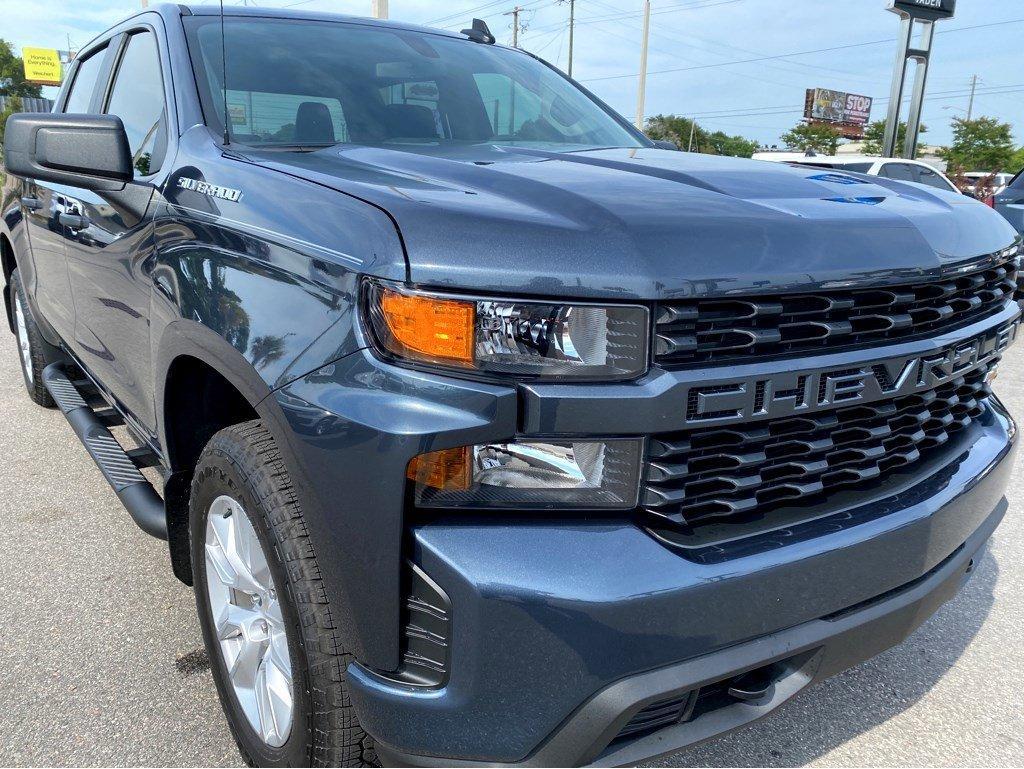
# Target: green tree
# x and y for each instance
(12, 74)
(734, 146)
(817, 137)
(874, 136)
(13, 105)
(983, 144)
(676, 129)
(1017, 161)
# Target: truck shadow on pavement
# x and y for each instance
(854, 702)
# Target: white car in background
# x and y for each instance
(889, 168)
(997, 185)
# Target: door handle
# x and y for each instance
(31, 202)
(74, 221)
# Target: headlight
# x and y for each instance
(524, 476)
(528, 339)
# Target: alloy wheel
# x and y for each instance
(248, 621)
(23, 341)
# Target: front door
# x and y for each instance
(110, 245)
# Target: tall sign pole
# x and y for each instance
(641, 91)
(912, 13)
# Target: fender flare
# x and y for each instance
(187, 338)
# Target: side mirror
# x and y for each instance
(88, 151)
(665, 144)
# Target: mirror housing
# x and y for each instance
(87, 151)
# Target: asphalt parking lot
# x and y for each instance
(101, 661)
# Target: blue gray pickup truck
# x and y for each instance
(486, 430)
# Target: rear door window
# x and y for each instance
(932, 179)
(86, 75)
(903, 172)
(859, 168)
(137, 97)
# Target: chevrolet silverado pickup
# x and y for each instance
(487, 430)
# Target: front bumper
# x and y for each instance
(563, 629)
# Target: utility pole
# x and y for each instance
(693, 126)
(514, 13)
(970, 102)
(641, 93)
(380, 9)
(572, 29)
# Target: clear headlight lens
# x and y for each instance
(535, 475)
(559, 341)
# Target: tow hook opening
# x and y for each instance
(760, 687)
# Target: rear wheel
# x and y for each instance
(32, 348)
(277, 660)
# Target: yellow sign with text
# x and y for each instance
(42, 65)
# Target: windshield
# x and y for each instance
(317, 83)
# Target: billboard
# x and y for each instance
(42, 65)
(830, 106)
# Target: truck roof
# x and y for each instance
(298, 13)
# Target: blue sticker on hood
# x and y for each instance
(861, 201)
(836, 179)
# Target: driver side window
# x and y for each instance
(86, 75)
(137, 97)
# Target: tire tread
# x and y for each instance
(336, 737)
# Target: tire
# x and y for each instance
(33, 351)
(241, 470)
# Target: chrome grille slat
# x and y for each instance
(709, 331)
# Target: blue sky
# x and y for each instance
(695, 47)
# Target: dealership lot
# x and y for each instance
(102, 661)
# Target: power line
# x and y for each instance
(795, 53)
(769, 112)
(466, 13)
(985, 90)
(619, 15)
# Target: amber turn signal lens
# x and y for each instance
(448, 470)
(434, 328)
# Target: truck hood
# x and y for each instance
(646, 223)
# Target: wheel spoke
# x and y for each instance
(245, 568)
(234, 621)
(23, 342)
(247, 662)
(274, 697)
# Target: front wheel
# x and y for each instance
(32, 348)
(277, 661)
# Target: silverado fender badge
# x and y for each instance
(213, 190)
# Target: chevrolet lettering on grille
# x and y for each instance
(800, 392)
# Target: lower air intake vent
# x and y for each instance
(426, 631)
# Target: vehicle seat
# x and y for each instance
(313, 123)
(410, 121)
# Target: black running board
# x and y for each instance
(120, 468)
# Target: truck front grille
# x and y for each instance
(710, 331)
(721, 474)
